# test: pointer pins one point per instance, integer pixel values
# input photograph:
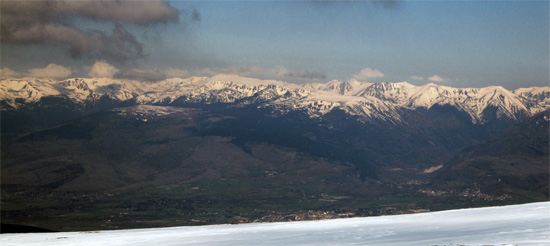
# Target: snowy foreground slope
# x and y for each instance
(527, 224)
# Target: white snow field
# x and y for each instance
(527, 224)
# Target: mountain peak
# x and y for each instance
(230, 88)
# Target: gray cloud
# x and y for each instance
(176, 72)
(245, 71)
(120, 45)
(149, 75)
(52, 22)
(149, 12)
(305, 75)
(195, 15)
(261, 72)
(436, 78)
(102, 69)
(8, 73)
(51, 71)
(387, 4)
(368, 73)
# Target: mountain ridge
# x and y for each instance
(367, 100)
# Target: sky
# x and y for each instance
(454, 43)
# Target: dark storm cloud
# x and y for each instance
(52, 22)
(120, 45)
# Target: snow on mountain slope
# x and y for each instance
(323, 102)
(369, 101)
(525, 225)
(29, 90)
(473, 101)
(351, 87)
(536, 99)
(79, 90)
(399, 93)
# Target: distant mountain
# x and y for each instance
(369, 101)
(536, 99)
(347, 88)
(516, 163)
(476, 102)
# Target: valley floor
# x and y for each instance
(527, 224)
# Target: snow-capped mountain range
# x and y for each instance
(366, 100)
